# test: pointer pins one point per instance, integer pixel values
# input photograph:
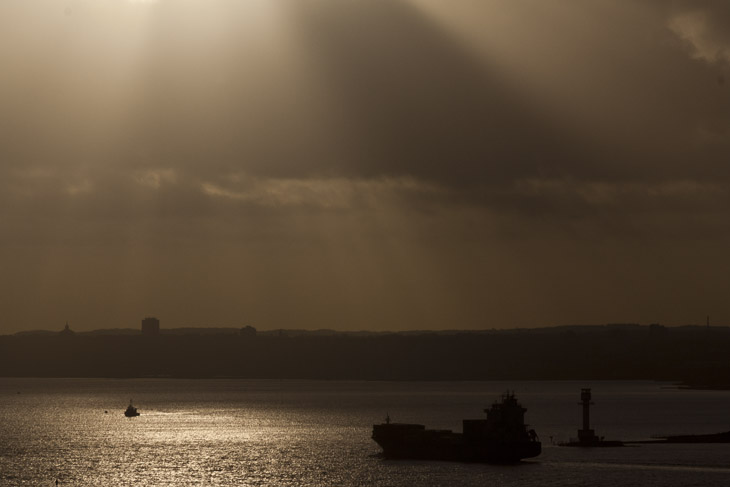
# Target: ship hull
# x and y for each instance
(417, 443)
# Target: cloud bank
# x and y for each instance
(408, 164)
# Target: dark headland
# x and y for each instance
(695, 356)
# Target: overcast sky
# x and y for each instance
(385, 165)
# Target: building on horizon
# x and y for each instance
(66, 331)
(248, 331)
(151, 326)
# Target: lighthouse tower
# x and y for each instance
(586, 435)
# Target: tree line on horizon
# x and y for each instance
(697, 356)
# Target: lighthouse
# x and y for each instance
(586, 435)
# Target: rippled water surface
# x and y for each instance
(238, 432)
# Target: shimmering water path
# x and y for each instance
(238, 432)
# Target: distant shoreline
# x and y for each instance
(691, 357)
(297, 332)
(705, 387)
(672, 384)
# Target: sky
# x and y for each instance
(353, 164)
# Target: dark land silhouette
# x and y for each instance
(694, 355)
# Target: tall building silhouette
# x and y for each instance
(150, 326)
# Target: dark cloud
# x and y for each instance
(705, 26)
(367, 90)
(390, 152)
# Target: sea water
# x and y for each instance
(312, 433)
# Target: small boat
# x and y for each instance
(131, 411)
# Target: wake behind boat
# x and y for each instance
(131, 411)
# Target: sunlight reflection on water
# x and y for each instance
(315, 433)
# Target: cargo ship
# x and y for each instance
(503, 437)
